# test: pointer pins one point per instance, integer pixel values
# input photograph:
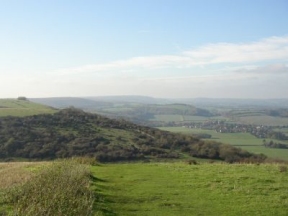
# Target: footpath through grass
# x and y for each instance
(183, 189)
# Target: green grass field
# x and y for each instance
(263, 120)
(242, 140)
(143, 189)
(186, 118)
(13, 107)
(182, 189)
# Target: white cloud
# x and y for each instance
(266, 49)
(272, 69)
(273, 48)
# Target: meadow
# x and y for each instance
(263, 120)
(254, 120)
(71, 187)
(242, 140)
(183, 189)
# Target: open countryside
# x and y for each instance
(177, 188)
(241, 140)
(144, 108)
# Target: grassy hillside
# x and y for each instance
(13, 107)
(182, 189)
(71, 132)
(71, 187)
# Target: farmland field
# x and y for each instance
(263, 120)
(243, 140)
(186, 118)
(168, 118)
(182, 189)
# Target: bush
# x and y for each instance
(86, 160)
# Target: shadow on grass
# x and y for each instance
(95, 179)
(102, 200)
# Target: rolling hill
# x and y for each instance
(13, 107)
(72, 132)
(65, 102)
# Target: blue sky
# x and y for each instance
(160, 48)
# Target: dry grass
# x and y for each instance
(58, 188)
(17, 173)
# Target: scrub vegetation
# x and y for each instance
(73, 132)
(58, 188)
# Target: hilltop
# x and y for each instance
(71, 132)
(22, 107)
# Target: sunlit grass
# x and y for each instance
(182, 189)
(58, 188)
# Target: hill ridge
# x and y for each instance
(72, 132)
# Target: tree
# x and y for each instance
(22, 98)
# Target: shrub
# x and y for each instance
(192, 162)
(86, 160)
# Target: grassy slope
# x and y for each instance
(11, 107)
(182, 189)
(243, 140)
(46, 188)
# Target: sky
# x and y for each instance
(158, 48)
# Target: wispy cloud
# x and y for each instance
(273, 48)
(266, 49)
(272, 69)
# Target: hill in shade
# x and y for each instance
(72, 132)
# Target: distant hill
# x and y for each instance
(72, 132)
(65, 102)
(15, 107)
(231, 102)
(131, 99)
(146, 112)
(158, 112)
(134, 108)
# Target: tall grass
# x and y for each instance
(60, 189)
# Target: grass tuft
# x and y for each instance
(62, 188)
(283, 168)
